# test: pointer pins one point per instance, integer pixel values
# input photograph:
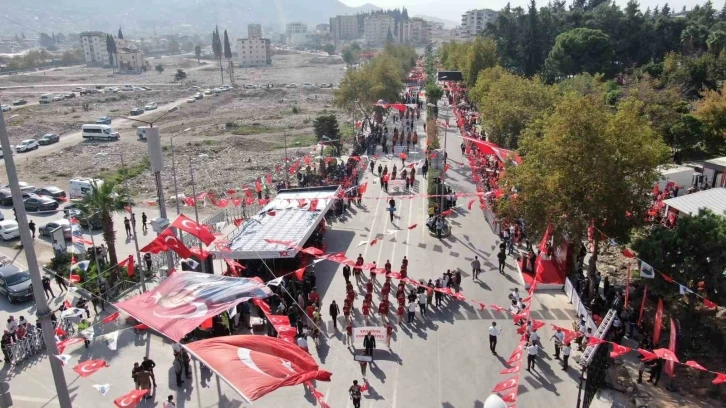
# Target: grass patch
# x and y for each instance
(118, 176)
(253, 129)
(209, 142)
(347, 130)
(299, 141)
(62, 174)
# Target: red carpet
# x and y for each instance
(549, 273)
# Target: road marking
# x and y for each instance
(46, 401)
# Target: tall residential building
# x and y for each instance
(413, 31)
(322, 27)
(254, 31)
(94, 48)
(344, 28)
(376, 28)
(475, 21)
(295, 28)
(254, 51)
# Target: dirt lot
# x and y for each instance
(232, 137)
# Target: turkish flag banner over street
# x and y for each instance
(257, 365)
(186, 299)
(188, 225)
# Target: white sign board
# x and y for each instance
(359, 333)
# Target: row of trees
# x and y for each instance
(222, 50)
(41, 58)
(379, 79)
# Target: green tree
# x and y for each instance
(711, 110)
(481, 54)
(45, 40)
(111, 49)
(348, 57)
(689, 253)
(389, 37)
(159, 68)
(120, 34)
(433, 93)
(580, 50)
(180, 75)
(104, 201)
(198, 52)
(580, 168)
(218, 50)
(510, 103)
(228, 56)
(329, 48)
(326, 125)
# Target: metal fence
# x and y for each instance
(26, 347)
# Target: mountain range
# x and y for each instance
(165, 16)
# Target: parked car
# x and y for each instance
(39, 203)
(2, 217)
(18, 102)
(90, 92)
(94, 220)
(207, 91)
(291, 86)
(48, 138)
(46, 229)
(15, 283)
(250, 86)
(308, 85)
(24, 187)
(78, 89)
(191, 100)
(127, 88)
(70, 95)
(52, 192)
(216, 91)
(198, 96)
(58, 98)
(150, 106)
(226, 88)
(9, 230)
(112, 89)
(194, 88)
(103, 120)
(325, 85)
(27, 145)
(137, 111)
(6, 197)
(5, 108)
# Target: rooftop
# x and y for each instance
(718, 163)
(713, 199)
(289, 223)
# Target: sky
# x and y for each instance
(453, 9)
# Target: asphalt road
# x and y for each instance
(438, 361)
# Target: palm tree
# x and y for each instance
(105, 201)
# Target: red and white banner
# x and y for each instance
(88, 367)
(658, 322)
(360, 332)
(188, 225)
(257, 365)
(186, 299)
(131, 399)
(672, 347)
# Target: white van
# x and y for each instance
(46, 98)
(80, 187)
(104, 132)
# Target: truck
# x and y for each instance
(81, 187)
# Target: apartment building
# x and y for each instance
(322, 28)
(344, 28)
(254, 51)
(130, 60)
(414, 31)
(295, 28)
(254, 31)
(475, 21)
(376, 28)
(94, 48)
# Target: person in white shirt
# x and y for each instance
(566, 350)
(12, 327)
(493, 333)
(559, 338)
(411, 312)
(531, 355)
(535, 339)
(422, 303)
(515, 295)
(302, 343)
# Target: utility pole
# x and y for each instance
(287, 171)
(43, 311)
(196, 212)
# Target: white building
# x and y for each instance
(376, 28)
(94, 48)
(254, 51)
(475, 21)
(130, 60)
(254, 31)
(322, 28)
(344, 28)
(413, 31)
(295, 28)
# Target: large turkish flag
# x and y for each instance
(186, 299)
(88, 367)
(257, 365)
(188, 225)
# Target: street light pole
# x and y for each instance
(173, 170)
(133, 225)
(43, 311)
(196, 212)
(287, 171)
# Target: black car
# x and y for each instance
(46, 229)
(72, 211)
(137, 111)
(89, 92)
(70, 95)
(6, 197)
(15, 284)
(48, 138)
(19, 102)
(52, 192)
(40, 204)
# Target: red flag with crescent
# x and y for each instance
(720, 378)
(510, 396)
(175, 244)
(131, 399)
(268, 178)
(507, 384)
(155, 246)
(363, 188)
(186, 299)
(299, 273)
(658, 321)
(695, 365)
(190, 226)
(68, 342)
(88, 367)
(112, 317)
(257, 365)
(619, 350)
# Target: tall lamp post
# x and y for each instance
(133, 224)
(43, 311)
(173, 170)
(196, 212)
